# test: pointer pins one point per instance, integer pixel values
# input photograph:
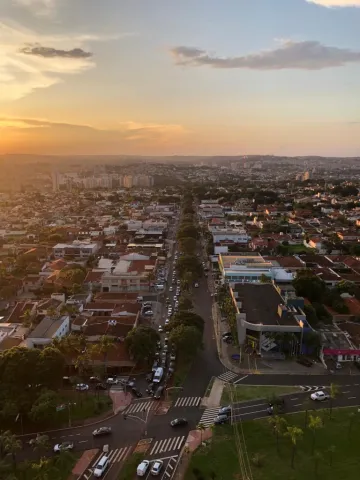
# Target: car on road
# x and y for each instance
(171, 289)
(156, 467)
(101, 466)
(276, 404)
(159, 392)
(101, 431)
(136, 392)
(142, 468)
(173, 357)
(112, 381)
(150, 389)
(177, 422)
(160, 329)
(149, 313)
(225, 410)
(319, 396)
(149, 377)
(167, 321)
(64, 446)
(196, 285)
(82, 387)
(94, 379)
(220, 419)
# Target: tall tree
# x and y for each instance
(141, 343)
(278, 425)
(315, 423)
(187, 340)
(106, 344)
(10, 444)
(334, 392)
(294, 433)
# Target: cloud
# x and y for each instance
(30, 61)
(49, 52)
(39, 7)
(306, 55)
(336, 3)
(129, 130)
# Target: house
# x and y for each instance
(48, 329)
(75, 249)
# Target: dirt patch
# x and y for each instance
(143, 445)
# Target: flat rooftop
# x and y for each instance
(260, 303)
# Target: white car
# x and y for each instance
(112, 381)
(160, 329)
(319, 396)
(149, 313)
(82, 387)
(167, 321)
(196, 285)
(156, 467)
(142, 468)
(61, 447)
(171, 289)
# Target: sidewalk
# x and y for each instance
(120, 400)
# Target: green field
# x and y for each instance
(335, 455)
(239, 393)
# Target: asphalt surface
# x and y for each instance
(165, 441)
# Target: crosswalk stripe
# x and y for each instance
(140, 406)
(167, 445)
(113, 455)
(208, 416)
(228, 376)
(187, 402)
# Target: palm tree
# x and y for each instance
(307, 405)
(26, 318)
(201, 427)
(315, 423)
(331, 450)
(278, 425)
(105, 345)
(317, 457)
(334, 392)
(294, 433)
(52, 313)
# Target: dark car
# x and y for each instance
(101, 431)
(150, 389)
(177, 422)
(304, 361)
(149, 377)
(159, 392)
(100, 386)
(94, 379)
(225, 410)
(136, 392)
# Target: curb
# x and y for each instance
(70, 428)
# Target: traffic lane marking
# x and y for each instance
(249, 413)
(234, 407)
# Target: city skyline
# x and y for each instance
(237, 77)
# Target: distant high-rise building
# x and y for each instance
(55, 181)
(128, 181)
(306, 176)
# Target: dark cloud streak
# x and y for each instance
(49, 52)
(307, 55)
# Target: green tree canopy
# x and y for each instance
(44, 407)
(188, 319)
(309, 285)
(187, 230)
(141, 343)
(188, 245)
(187, 340)
(189, 264)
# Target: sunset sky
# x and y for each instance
(163, 77)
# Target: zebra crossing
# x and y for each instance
(167, 445)
(115, 456)
(141, 407)
(228, 376)
(187, 402)
(309, 388)
(209, 416)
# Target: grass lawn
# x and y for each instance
(335, 455)
(181, 371)
(128, 472)
(243, 393)
(83, 406)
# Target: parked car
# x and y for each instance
(149, 377)
(177, 422)
(150, 389)
(171, 289)
(156, 467)
(304, 361)
(101, 431)
(159, 392)
(149, 313)
(142, 468)
(64, 446)
(220, 419)
(136, 392)
(160, 328)
(196, 285)
(94, 379)
(173, 357)
(112, 381)
(319, 396)
(82, 387)
(225, 410)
